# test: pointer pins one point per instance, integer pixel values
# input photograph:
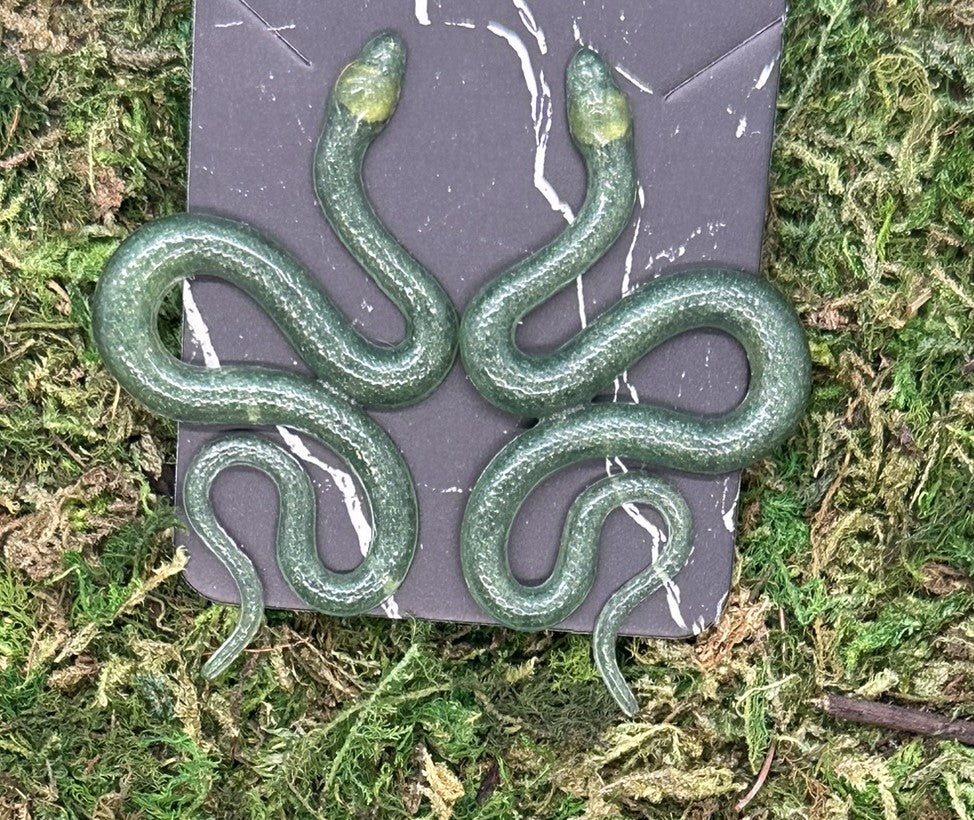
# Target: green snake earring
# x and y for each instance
(350, 371)
(558, 388)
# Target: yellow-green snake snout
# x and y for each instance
(368, 88)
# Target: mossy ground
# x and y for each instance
(857, 544)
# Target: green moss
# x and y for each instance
(855, 568)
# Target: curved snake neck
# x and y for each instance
(549, 385)
(532, 385)
(349, 369)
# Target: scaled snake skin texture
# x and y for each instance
(559, 388)
(350, 371)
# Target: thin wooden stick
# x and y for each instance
(762, 776)
(899, 718)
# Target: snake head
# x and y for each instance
(598, 112)
(368, 87)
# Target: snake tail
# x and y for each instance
(295, 525)
(594, 504)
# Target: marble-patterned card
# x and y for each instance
(475, 170)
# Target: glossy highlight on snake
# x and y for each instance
(559, 388)
(350, 372)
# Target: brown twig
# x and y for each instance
(64, 446)
(762, 776)
(23, 156)
(15, 160)
(899, 718)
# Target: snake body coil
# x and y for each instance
(548, 386)
(350, 370)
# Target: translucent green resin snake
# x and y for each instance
(549, 386)
(350, 370)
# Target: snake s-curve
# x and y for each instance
(350, 371)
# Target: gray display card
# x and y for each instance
(475, 170)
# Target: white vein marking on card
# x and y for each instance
(640, 84)
(197, 327)
(764, 77)
(541, 119)
(729, 513)
(675, 252)
(627, 275)
(527, 18)
(353, 504)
